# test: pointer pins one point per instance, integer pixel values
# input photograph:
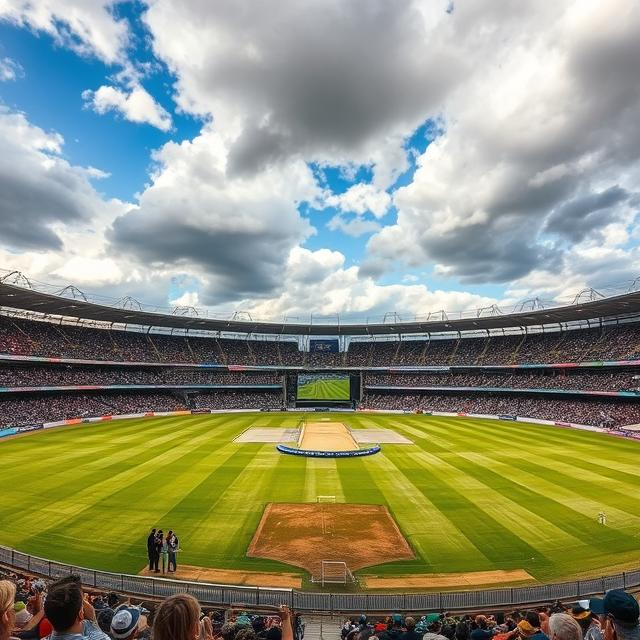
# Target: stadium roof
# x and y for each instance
(52, 305)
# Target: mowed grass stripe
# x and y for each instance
(603, 489)
(75, 482)
(151, 490)
(556, 442)
(490, 535)
(96, 480)
(430, 531)
(475, 458)
(322, 479)
(538, 495)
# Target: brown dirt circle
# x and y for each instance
(302, 535)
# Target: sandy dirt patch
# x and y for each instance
(231, 576)
(326, 436)
(362, 535)
(448, 580)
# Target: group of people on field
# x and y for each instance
(162, 551)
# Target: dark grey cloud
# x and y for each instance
(237, 263)
(38, 189)
(577, 218)
(319, 78)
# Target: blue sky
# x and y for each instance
(363, 160)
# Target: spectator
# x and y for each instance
(410, 633)
(562, 626)
(7, 612)
(588, 622)
(177, 618)
(127, 623)
(619, 613)
(71, 616)
(151, 548)
(530, 627)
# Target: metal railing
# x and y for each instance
(215, 594)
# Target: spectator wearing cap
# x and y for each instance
(619, 613)
(71, 616)
(394, 630)
(587, 620)
(530, 627)
(433, 623)
(562, 626)
(127, 623)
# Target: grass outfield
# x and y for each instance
(325, 390)
(469, 495)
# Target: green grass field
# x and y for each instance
(468, 495)
(319, 389)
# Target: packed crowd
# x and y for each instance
(31, 609)
(16, 411)
(594, 412)
(614, 617)
(602, 380)
(24, 337)
(69, 375)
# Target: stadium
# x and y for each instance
(479, 433)
(319, 320)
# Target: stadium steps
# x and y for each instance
(321, 628)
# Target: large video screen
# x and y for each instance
(323, 386)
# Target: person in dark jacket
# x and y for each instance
(151, 548)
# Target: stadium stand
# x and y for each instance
(583, 411)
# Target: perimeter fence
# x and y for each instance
(307, 601)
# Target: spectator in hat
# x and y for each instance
(588, 622)
(127, 623)
(562, 626)
(394, 630)
(530, 627)
(69, 613)
(433, 622)
(619, 613)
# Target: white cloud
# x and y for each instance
(10, 70)
(134, 104)
(85, 26)
(335, 82)
(43, 195)
(232, 232)
(532, 158)
(355, 227)
(328, 288)
(360, 199)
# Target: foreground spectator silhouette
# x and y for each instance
(71, 616)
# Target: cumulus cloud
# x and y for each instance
(42, 194)
(134, 104)
(10, 70)
(235, 231)
(539, 144)
(318, 282)
(329, 80)
(85, 26)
